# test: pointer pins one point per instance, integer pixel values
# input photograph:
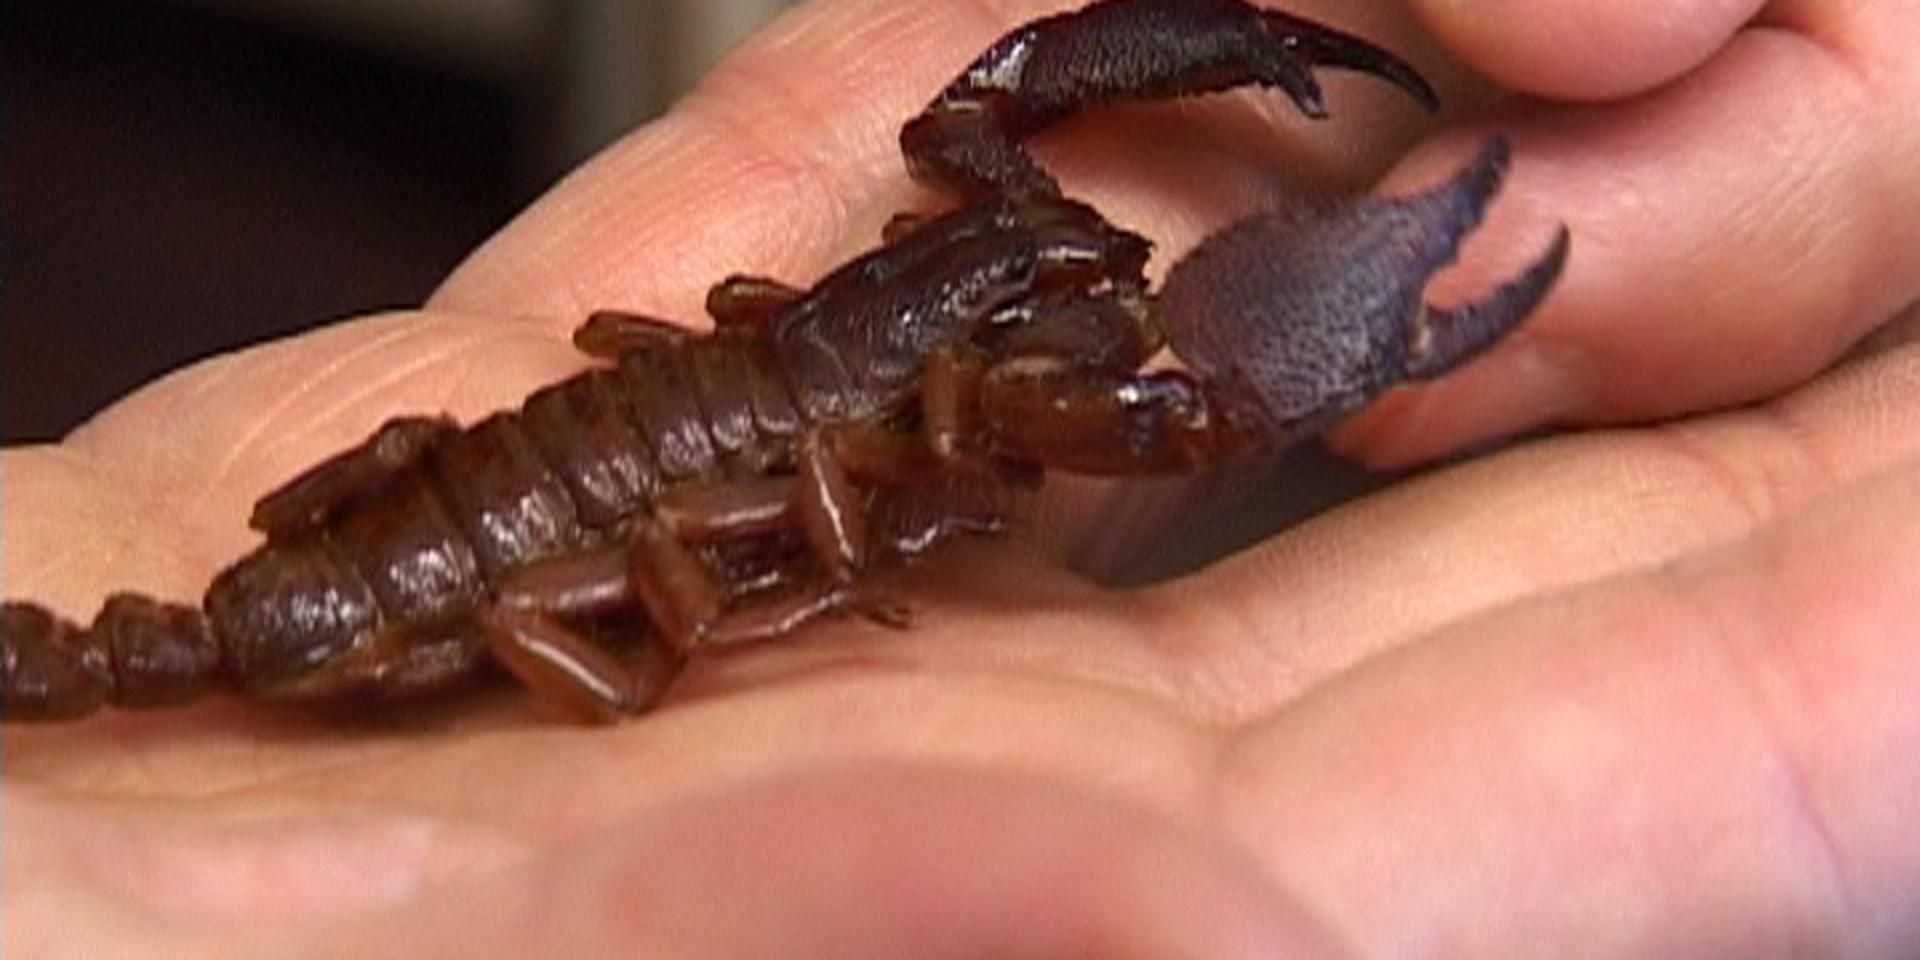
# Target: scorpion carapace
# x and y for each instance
(695, 492)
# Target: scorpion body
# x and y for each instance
(697, 491)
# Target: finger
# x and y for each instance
(1733, 233)
(886, 862)
(1714, 758)
(1343, 587)
(786, 160)
(1586, 51)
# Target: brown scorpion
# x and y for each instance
(695, 492)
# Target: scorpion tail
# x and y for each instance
(1299, 316)
(137, 653)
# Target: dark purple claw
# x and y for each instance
(1300, 315)
(967, 139)
(1317, 46)
(1446, 339)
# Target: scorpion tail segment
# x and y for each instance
(1446, 339)
(138, 653)
(1120, 50)
(50, 669)
(1299, 316)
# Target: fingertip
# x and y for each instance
(1585, 51)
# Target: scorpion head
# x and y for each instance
(1300, 315)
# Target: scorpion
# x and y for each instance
(690, 493)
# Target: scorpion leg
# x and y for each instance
(1049, 411)
(736, 301)
(831, 511)
(901, 224)
(1110, 330)
(566, 668)
(591, 583)
(308, 500)
(609, 333)
(822, 501)
(748, 301)
(742, 508)
(949, 392)
(967, 139)
(525, 633)
(687, 603)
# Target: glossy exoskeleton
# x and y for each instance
(695, 492)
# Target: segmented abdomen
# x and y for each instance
(390, 546)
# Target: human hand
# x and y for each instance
(1638, 692)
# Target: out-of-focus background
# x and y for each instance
(182, 177)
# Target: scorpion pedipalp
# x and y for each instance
(967, 139)
(1299, 315)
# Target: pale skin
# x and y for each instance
(1646, 691)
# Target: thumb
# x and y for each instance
(1574, 50)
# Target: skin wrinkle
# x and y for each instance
(576, 298)
(745, 91)
(1815, 227)
(81, 459)
(298, 391)
(133, 776)
(1728, 631)
(1889, 173)
(350, 391)
(725, 107)
(1756, 493)
(662, 284)
(1209, 694)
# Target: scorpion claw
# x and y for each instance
(1299, 316)
(967, 139)
(1445, 339)
(1312, 45)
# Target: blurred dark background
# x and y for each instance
(182, 177)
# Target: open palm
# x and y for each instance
(1644, 691)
